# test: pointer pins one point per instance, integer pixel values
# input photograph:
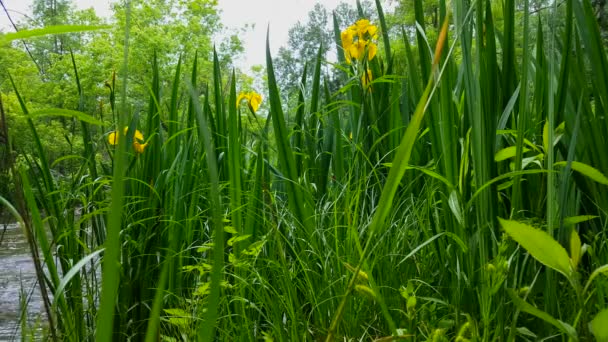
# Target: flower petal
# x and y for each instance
(139, 148)
(255, 100)
(241, 97)
(372, 49)
(113, 138)
(138, 136)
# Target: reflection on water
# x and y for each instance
(17, 273)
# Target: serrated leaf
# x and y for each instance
(237, 238)
(599, 326)
(205, 247)
(230, 229)
(540, 245)
(178, 317)
(587, 171)
(255, 248)
(202, 290)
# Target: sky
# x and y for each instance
(280, 15)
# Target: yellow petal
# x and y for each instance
(347, 39)
(362, 25)
(366, 79)
(347, 55)
(113, 138)
(361, 45)
(139, 148)
(241, 97)
(372, 30)
(138, 136)
(353, 51)
(254, 101)
(372, 49)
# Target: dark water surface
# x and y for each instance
(17, 276)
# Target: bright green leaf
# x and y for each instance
(587, 171)
(508, 152)
(65, 113)
(58, 29)
(573, 220)
(526, 307)
(539, 244)
(599, 326)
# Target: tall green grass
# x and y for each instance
(472, 208)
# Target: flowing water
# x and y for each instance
(17, 282)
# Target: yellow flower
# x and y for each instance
(253, 100)
(138, 140)
(366, 80)
(347, 37)
(357, 50)
(357, 38)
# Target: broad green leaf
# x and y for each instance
(58, 29)
(586, 170)
(599, 326)
(526, 307)
(572, 220)
(540, 245)
(65, 113)
(508, 152)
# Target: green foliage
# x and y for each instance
(368, 209)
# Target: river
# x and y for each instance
(17, 276)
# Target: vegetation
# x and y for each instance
(452, 186)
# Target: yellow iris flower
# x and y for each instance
(357, 39)
(138, 140)
(253, 100)
(366, 80)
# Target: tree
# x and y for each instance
(304, 41)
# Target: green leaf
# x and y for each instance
(599, 326)
(178, 317)
(72, 272)
(230, 229)
(526, 307)
(540, 245)
(236, 239)
(559, 131)
(65, 113)
(586, 170)
(255, 248)
(58, 29)
(598, 271)
(508, 152)
(572, 220)
(575, 248)
(454, 203)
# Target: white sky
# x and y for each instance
(279, 14)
